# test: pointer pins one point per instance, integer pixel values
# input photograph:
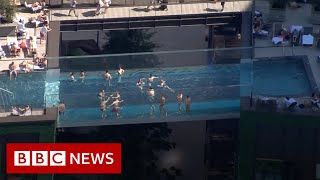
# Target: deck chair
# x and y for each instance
(11, 40)
(307, 37)
(277, 27)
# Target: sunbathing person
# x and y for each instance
(284, 34)
(25, 66)
(15, 111)
(26, 111)
(290, 102)
(315, 100)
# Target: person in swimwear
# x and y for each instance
(116, 95)
(164, 85)
(140, 84)
(108, 77)
(151, 79)
(103, 107)
(102, 95)
(120, 73)
(13, 70)
(72, 78)
(151, 94)
(162, 105)
(179, 100)
(187, 103)
(82, 75)
(116, 106)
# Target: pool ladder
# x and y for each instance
(5, 99)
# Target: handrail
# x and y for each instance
(7, 91)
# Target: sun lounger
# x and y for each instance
(34, 9)
(38, 68)
(277, 27)
(307, 38)
(11, 40)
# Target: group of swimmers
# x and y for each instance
(104, 99)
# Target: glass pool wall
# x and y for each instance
(210, 77)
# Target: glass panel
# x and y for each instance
(210, 77)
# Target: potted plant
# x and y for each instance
(315, 14)
(277, 10)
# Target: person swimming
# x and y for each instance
(187, 103)
(102, 94)
(108, 77)
(151, 94)
(164, 85)
(151, 79)
(120, 73)
(103, 107)
(140, 84)
(72, 78)
(179, 100)
(116, 106)
(82, 75)
(162, 105)
(116, 95)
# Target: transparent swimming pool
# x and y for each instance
(214, 90)
(276, 78)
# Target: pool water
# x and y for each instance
(213, 89)
(276, 78)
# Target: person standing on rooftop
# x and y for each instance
(73, 5)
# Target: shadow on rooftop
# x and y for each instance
(59, 14)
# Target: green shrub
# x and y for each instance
(8, 9)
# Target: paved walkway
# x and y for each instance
(139, 11)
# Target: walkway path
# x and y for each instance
(139, 11)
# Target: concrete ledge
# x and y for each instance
(49, 115)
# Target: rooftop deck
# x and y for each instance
(139, 11)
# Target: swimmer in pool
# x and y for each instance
(140, 84)
(116, 95)
(151, 79)
(116, 106)
(187, 103)
(108, 77)
(151, 94)
(120, 73)
(162, 105)
(179, 100)
(164, 85)
(103, 107)
(102, 95)
(72, 79)
(82, 75)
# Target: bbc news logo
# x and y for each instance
(46, 158)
